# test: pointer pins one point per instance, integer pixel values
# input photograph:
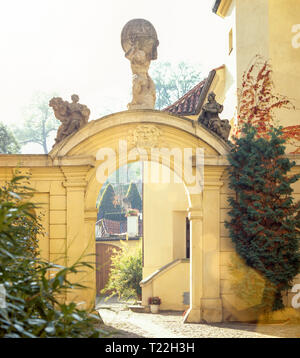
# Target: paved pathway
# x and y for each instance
(125, 323)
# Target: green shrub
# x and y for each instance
(34, 307)
(263, 222)
(134, 197)
(126, 273)
(108, 207)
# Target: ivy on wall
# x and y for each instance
(258, 102)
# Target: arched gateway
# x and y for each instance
(67, 184)
(68, 180)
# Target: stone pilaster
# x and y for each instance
(193, 314)
(75, 185)
(89, 238)
(211, 303)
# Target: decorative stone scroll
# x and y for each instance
(139, 42)
(72, 116)
(209, 117)
(145, 136)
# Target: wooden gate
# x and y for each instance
(103, 264)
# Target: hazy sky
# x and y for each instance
(73, 46)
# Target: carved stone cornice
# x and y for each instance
(75, 178)
(145, 136)
(90, 215)
(44, 161)
(195, 214)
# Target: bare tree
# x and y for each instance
(8, 143)
(39, 122)
(173, 81)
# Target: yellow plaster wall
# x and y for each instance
(130, 244)
(46, 246)
(263, 27)
(49, 198)
(285, 58)
(229, 95)
(165, 210)
(235, 308)
(252, 33)
(171, 286)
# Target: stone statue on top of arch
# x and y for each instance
(139, 42)
(209, 117)
(72, 116)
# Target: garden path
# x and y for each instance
(168, 324)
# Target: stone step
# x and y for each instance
(139, 308)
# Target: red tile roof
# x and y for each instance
(187, 104)
(191, 103)
(112, 227)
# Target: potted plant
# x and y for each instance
(154, 303)
(132, 212)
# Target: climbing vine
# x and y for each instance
(258, 102)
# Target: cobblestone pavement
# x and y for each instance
(124, 323)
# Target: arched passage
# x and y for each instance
(152, 131)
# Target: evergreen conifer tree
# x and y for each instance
(107, 204)
(134, 197)
(263, 216)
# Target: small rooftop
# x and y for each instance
(192, 102)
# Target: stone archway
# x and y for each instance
(165, 130)
(66, 182)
